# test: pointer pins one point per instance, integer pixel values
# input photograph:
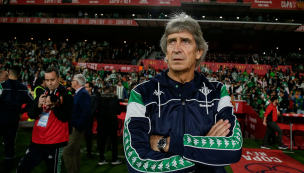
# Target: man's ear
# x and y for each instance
(199, 53)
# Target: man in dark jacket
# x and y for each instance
(283, 102)
(108, 125)
(52, 111)
(78, 124)
(13, 95)
(95, 101)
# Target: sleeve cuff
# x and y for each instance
(176, 145)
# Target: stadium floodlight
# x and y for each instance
(49, 39)
(31, 38)
(67, 39)
(144, 42)
(133, 15)
(85, 40)
(15, 38)
(237, 17)
(277, 47)
(165, 15)
(125, 41)
(299, 48)
(292, 20)
(221, 17)
(203, 16)
(101, 14)
(276, 19)
(264, 53)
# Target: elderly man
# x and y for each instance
(178, 121)
(78, 124)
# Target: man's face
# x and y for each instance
(74, 83)
(3, 76)
(87, 87)
(181, 51)
(51, 80)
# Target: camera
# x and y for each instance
(53, 98)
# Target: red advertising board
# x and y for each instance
(239, 107)
(253, 127)
(300, 29)
(268, 4)
(98, 66)
(69, 21)
(275, 4)
(260, 69)
(98, 2)
(267, 161)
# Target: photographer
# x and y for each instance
(52, 111)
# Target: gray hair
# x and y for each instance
(80, 78)
(182, 22)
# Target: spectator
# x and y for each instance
(86, 15)
(80, 15)
(79, 122)
(260, 18)
(247, 19)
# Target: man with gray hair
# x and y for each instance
(80, 118)
(178, 121)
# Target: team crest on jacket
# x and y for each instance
(205, 90)
(158, 93)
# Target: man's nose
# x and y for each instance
(177, 48)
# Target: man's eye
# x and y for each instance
(186, 42)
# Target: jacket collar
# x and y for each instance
(163, 78)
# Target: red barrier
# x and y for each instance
(293, 115)
(98, 66)
(98, 2)
(260, 69)
(32, 20)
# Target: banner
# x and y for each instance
(300, 29)
(266, 161)
(239, 107)
(99, 2)
(253, 127)
(98, 66)
(260, 69)
(69, 21)
(275, 4)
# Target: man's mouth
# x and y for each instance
(178, 59)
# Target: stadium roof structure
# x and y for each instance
(235, 25)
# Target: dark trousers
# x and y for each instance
(9, 133)
(71, 153)
(33, 156)
(273, 127)
(103, 134)
(89, 137)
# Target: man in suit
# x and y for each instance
(78, 124)
(35, 81)
(95, 101)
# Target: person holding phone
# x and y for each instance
(51, 111)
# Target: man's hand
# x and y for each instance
(49, 103)
(42, 100)
(265, 124)
(221, 128)
(153, 142)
